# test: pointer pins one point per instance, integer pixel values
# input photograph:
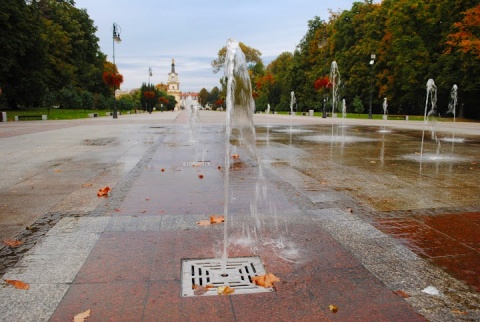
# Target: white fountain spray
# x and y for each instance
(430, 114)
(293, 102)
(452, 104)
(240, 110)
(335, 81)
(344, 109)
(385, 108)
(267, 111)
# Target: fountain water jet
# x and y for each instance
(240, 109)
(452, 106)
(335, 81)
(293, 101)
(430, 115)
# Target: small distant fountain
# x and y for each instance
(335, 81)
(430, 115)
(267, 111)
(293, 102)
(385, 115)
(452, 106)
(385, 108)
(344, 109)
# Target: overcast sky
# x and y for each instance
(192, 31)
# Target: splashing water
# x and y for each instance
(293, 102)
(240, 110)
(344, 109)
(385, 106)
(430, 115)
(452, 105)
(267, 111)
(335, 81)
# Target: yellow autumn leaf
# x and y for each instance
(225, 290)
(333, 308)
(82, 316)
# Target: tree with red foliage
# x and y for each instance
(112, 80)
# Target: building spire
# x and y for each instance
(173, 66)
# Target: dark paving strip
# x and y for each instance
(9, 256)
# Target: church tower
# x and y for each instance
(174, 85)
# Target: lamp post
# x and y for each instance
(372, 61)
(116, 39)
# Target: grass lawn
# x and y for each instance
(55, 113)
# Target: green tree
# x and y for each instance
(203, 97)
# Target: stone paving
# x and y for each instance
(120, 256)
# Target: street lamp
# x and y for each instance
(116, 39)
(372, 61)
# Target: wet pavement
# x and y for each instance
(343, 214)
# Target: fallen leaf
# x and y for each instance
(225, 290)
(58, 170)
(103, 192)
(163, 170)
(266, 280)
(200, 289)
(349, 210)
(402, 294)
(333, 308)
(147, 199)
(235, 156)
(85, 185)
(12, 242)
(116, 210)
(216, 219)
(373, 161)
(324, 183)
(18, 284)
(200, 176)
(219, 168)
(82, 316)
(459, 312)
(203, 223)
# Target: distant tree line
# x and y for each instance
(50, 56)
(412, 40)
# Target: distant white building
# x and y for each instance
(188, 99)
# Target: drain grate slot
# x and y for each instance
(237, 275)
(196, 163)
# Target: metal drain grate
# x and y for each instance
(196, 163)
(238, 276)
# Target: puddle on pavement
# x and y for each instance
(373, 167)
(408, 198)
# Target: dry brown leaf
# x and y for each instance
(266, 280)
(58, 170)
(200, 176)
(216, 219)
(103, 192)
(18, 284)
(459, 312)
(235, 156)
(82, 316)
(333, 308)
(203, 223)
(225, 290)
(402, 294)
(12, 242)
(349, 210)
(163, 170)
(219, 168)
(200, 289)
(86, 185)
